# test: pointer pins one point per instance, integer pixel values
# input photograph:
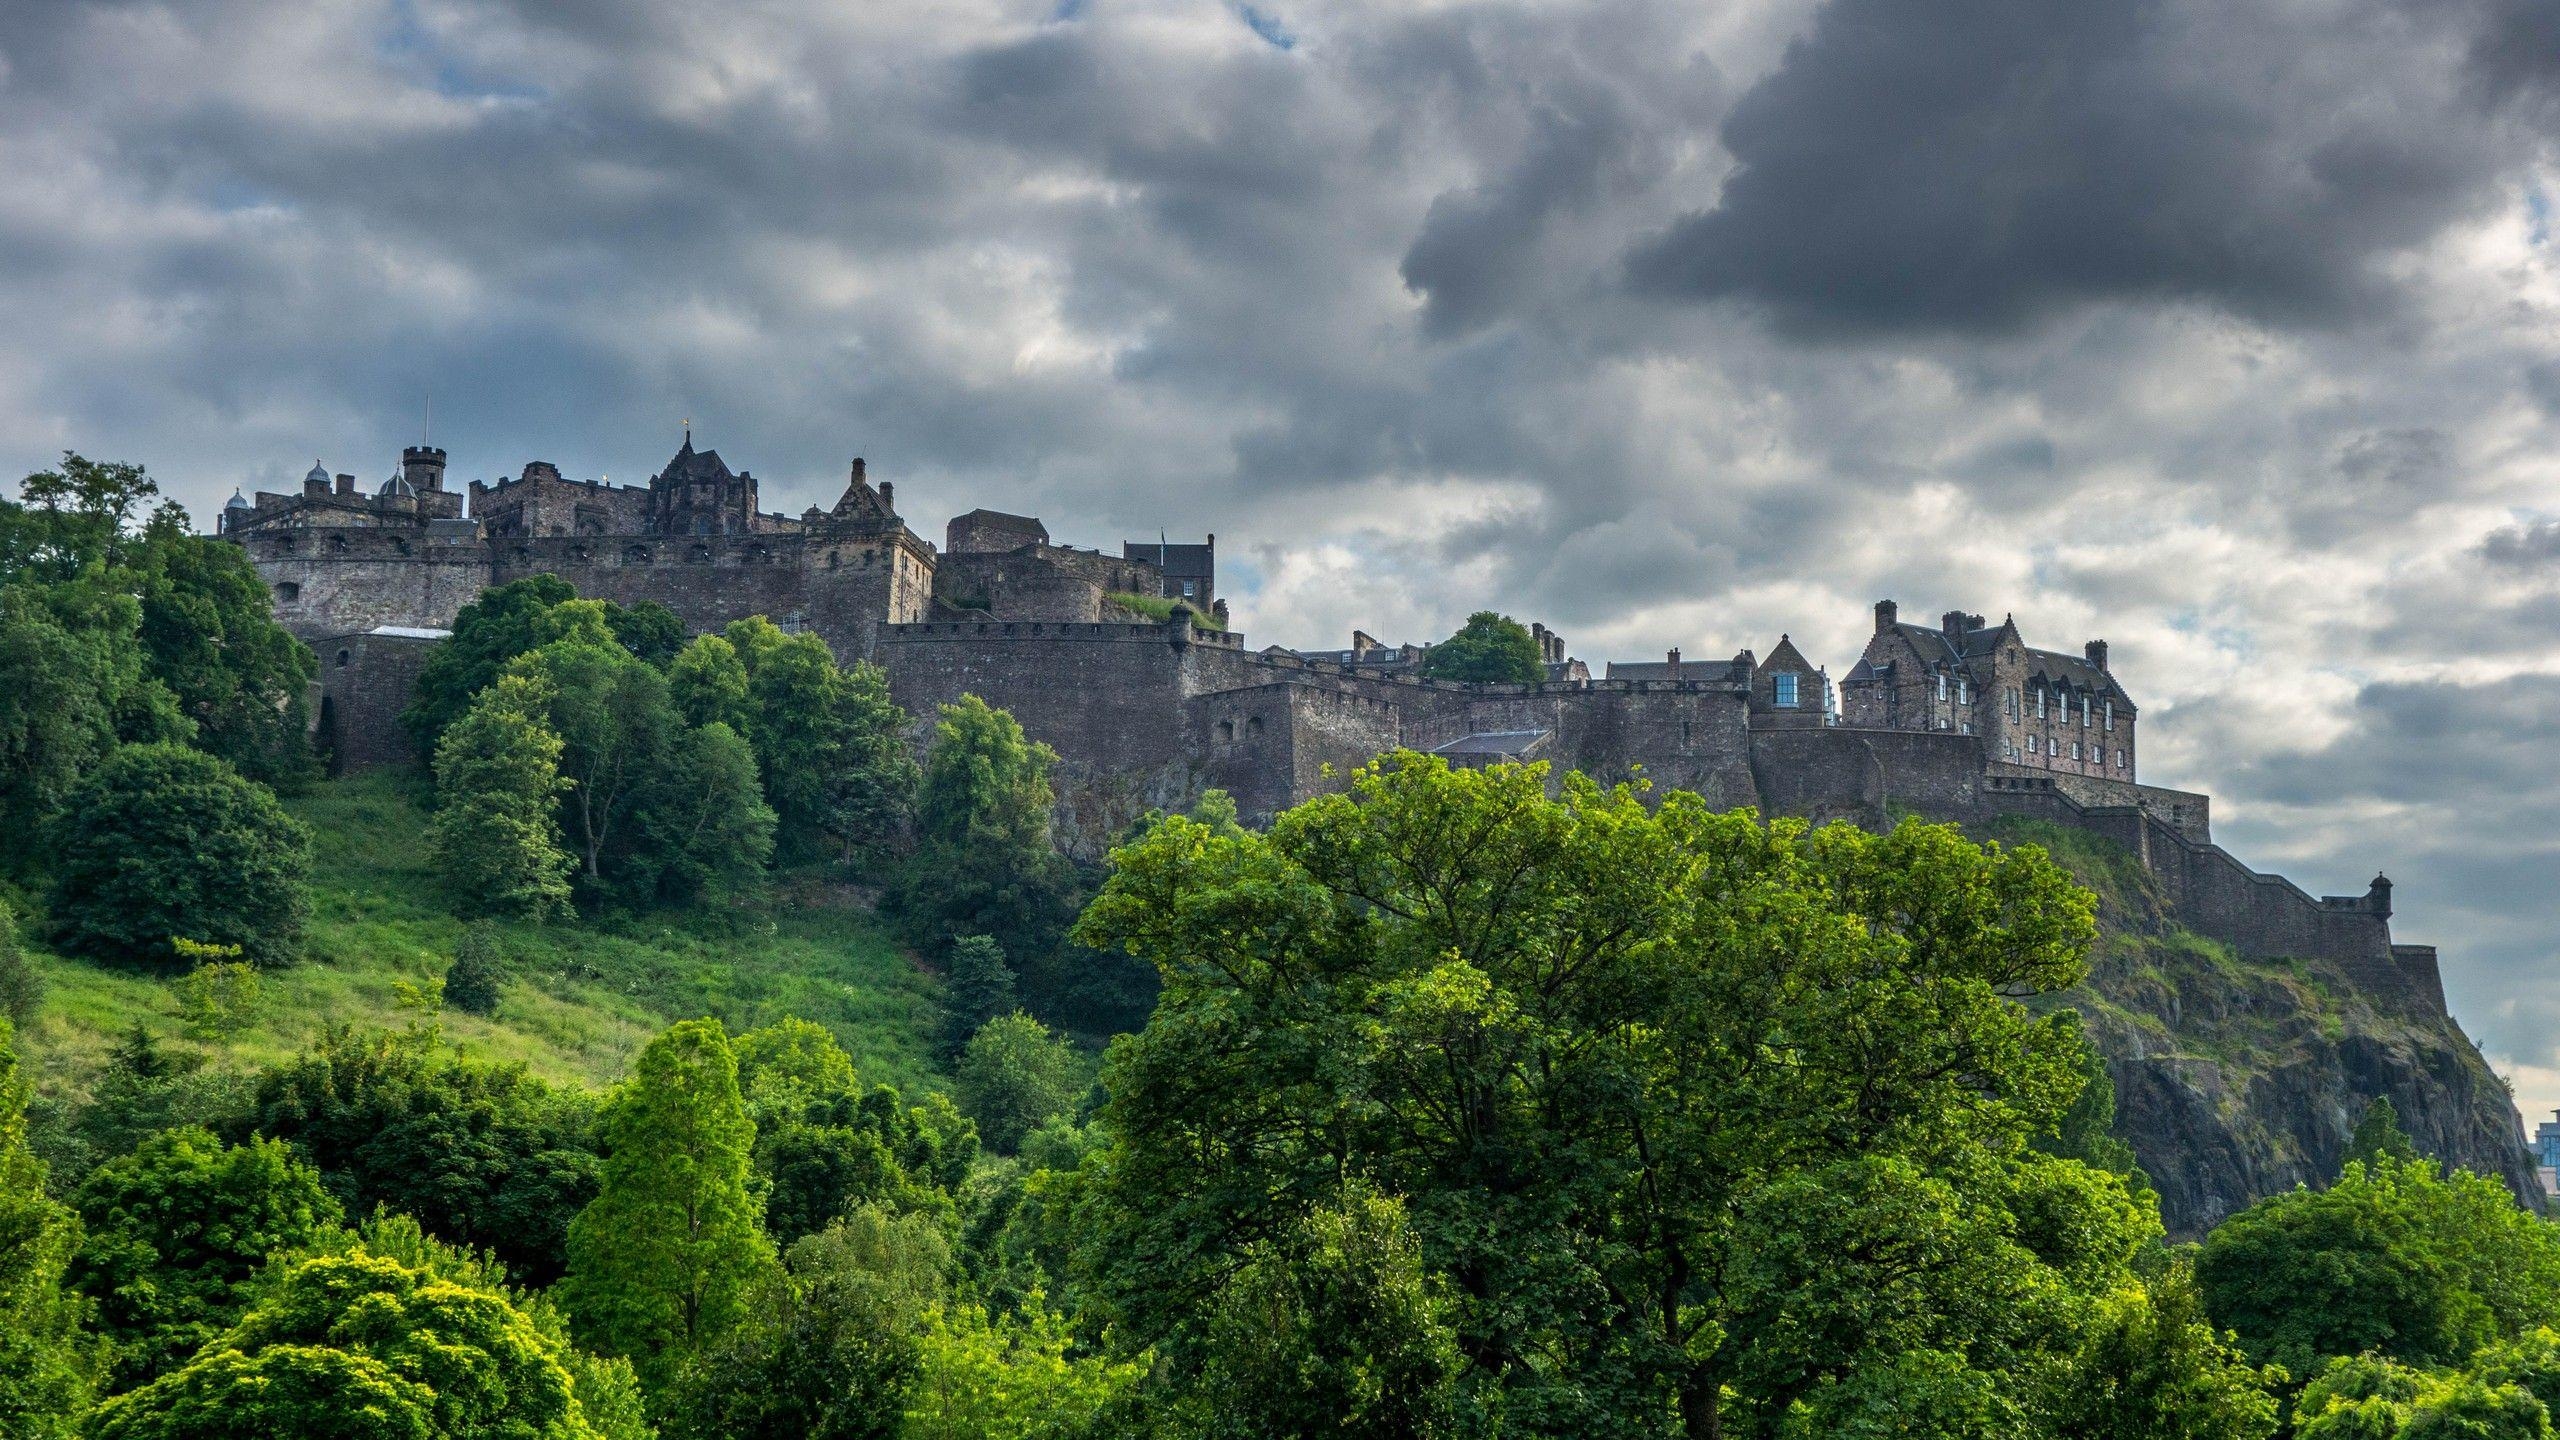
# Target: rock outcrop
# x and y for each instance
(2241, 1078)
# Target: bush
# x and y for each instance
(21, 988)
(162, 841)
(1015, 1076)
(219, 997)
(471, 982)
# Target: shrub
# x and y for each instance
(163, 841)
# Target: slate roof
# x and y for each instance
(1184, 561)
(691, 466)
(1972, 650)
(1506, 744)
(1026, 525)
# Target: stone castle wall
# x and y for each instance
(339, 582)
(365, 681)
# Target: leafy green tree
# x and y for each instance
(1334, 1331)
(830, 1349)
(983, 863)
(472, 981)
(708, 683)
(2531, 1361)
(649, 630)
(2154, 1368)
(703, 823)
(1489, 647)
(824, 1144)
(483, 1154)
(2364, 1397)
(831, 742)
(1695, 1115)
(667, 1258)
(21, 988)
(162, 841)
(221, 996)
(978, 989)
(47, 1366)
(616, 728)
(1015, 1076)
(488, 634)
(1011, 1378)
(71, 688)
(75, 518)
(2394, 1259)
(357, 1345)
(143, 1088)
(176, 1230)
(2476, 1410)
(496, 832)
(2378, 1136)
(209, 634)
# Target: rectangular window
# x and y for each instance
(1942, 685)
(2119, 757)
(2075, 749)
(2111, 717)
(1190, 588)
(2031, 745)
(1786, 691)
(2039, 704)
(2084, 712)
(2013, 702)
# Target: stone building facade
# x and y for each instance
(2040, 711)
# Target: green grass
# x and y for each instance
(583, 997)
(1159, 608)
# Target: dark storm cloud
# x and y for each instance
(1977, 164)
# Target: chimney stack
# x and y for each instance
(889, 496)
(1886, 614)
(346, 484)
(2096, 650)
(1675, 662)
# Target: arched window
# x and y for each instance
(1226, 731)
(1253, 726)
(345, 657)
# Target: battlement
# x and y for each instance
(1056, 630)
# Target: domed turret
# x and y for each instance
(318, 474)
(237, 501)
(398, 486)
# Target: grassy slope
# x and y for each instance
(585, 996)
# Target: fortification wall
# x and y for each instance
(365, 681)
(1868, 776)
(706, 580)
(2184, 811)
(346, 581)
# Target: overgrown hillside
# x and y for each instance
(582, 997)
(2237, 1079)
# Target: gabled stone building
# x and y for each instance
(2040, 711)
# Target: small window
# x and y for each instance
(2075, 749)
(2119, 757)
(2040, 704)
(344, 658)
(1942, 684)
(2031, 745)
(2084, 712)
(1190, 589)
(1226, 731)
(2111, 717)
(1253, 726)
(1786, 691)
(2013, 702)
(288, 590)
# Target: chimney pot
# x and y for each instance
(2096, 650)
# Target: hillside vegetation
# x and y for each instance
(581, 1000)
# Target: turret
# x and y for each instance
(423, 467)
(2377, 899)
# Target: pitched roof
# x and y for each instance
(1972, 650)
(691, 465)
(1175, 559)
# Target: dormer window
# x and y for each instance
(1786, 691)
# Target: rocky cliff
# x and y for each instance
(2236, 1079)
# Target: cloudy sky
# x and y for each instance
(2228, 332)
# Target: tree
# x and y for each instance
(1010, 1378)
(830, 1350)
(482, 1154)
(703, 824)
(2155, 1369)
(361, 1346)
(495, 835)
(665, 1260)
(71, 688)
(983, 863)
(978, 988)
(1336, 1330)
(824, 1144)
(2394, 1259)
(488, 634)
(616, 728)
(1014, 1076)
(831, 742)
(21, 988)
(175, 1232)
(471, 982)
(2378, 1136)
(708, 683)
(1693, 1113)
(47, 1366)
(209, 634)
(162, 841)
(1489, 647)
(649, 630)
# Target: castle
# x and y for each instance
(1128, 666)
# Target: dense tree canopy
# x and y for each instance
(176, 1230)
(983, 863)
(47, 1364)
(2394, 1260)
(1696, 1115)
(1489, 647)
(361, 1346)
(162, 842)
